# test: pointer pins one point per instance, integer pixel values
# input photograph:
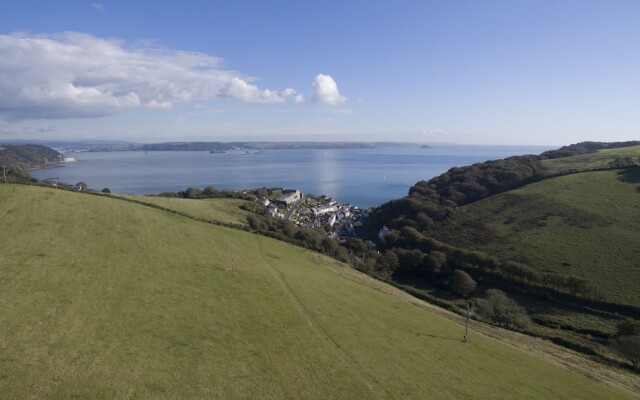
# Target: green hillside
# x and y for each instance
(585, 224)
(103, 298)
(15, 159)
(28, 156)
(606, 158)
(221, 210)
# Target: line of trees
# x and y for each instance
(422, 257)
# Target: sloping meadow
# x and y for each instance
(103, 298)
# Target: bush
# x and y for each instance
(462, 283)
(503, 311)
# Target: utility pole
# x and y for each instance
(232, 260)
(4, 173)
(467, 316)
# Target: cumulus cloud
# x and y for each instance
(297, 97)
(72, 75)
(325, 90)
(240, 89)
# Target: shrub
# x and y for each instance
(462, 283)
(503, 311)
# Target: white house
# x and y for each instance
(323, 210)
(290, 196)
(272, 210)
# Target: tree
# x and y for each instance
(462, 283)
(410, 261)
(210, 191)
(388, 263)
(503, 311)
(106, 190)
(81, 186)
(192, 193)
(356, 246)
(627, 340)
(433, 262)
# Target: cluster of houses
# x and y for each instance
(286, 199)
(316, 211)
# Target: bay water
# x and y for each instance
(362, 177)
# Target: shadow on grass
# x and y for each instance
(630, 175)
(442, 337)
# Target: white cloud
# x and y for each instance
(297, 97)
(288, 92)
(325, 90)
(238, 88)
(75, 75)
(98, 7)
(159, 104)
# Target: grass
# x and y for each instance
(585, 224)
(226, 211)
(103, 298)
(598, 160)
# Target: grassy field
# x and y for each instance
(103, 298)
(585, 224)
(597, 160)
(226, 211)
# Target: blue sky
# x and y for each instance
(473, 72)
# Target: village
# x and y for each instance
(311, 211)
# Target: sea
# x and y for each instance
(362, 177)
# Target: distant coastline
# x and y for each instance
(223, 147)
(81, 146)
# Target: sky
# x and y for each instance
(510, 72)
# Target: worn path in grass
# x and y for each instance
(102, 298)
